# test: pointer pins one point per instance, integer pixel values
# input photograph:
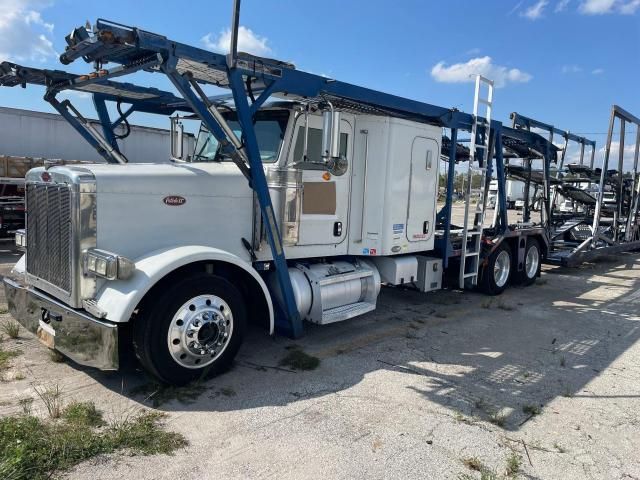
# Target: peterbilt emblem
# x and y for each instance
(45, 176)
(174, 200)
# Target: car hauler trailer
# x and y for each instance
(299, 200)
(607, 221)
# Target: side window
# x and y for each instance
(314, 145)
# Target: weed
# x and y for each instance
(4, 310)
(559, 448)
(506, 307)
(55, 356)
(440, 315)
(567, 393)
(526, 374)
(486, 304)
(19, 376)
(51, 396)
(498, 418)
(299, 360)
(541, 281)
(473, 463)
(228, 392)
(6, 356)
(36, 449)
(26, 404)
(480, 404)
(531, 409)
(11, 329)
(563, 361)
(83, 413)
(514, 462)
(160, 394)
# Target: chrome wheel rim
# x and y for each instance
(200, 331)
(501, 268)
(531, 262)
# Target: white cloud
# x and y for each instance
(247, 42)
(571, 69)
(597, 71)
(461, 72)
(24, 34)
(561, 6)
(515, 8)
(628, 159)
(601, 7)
(535, 11)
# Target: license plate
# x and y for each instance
(46, 334)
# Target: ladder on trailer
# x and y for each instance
(472, 231)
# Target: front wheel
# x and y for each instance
(497, 271)
(192, 328)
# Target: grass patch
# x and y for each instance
(160, 394)
(514, 462)
(297, 359)
(31, 448)
(4, 310)
(531, 409)
(55, 356)
(6, 356)
(487, 304)
(11, 329)
(83, 413)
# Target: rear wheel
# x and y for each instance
(532, 263)
(497, 271)
(191, 329)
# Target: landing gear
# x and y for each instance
(191, 329)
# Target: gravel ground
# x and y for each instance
(408, 391)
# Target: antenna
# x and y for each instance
(235, 25)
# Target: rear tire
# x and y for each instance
(191, 329)
(532, 263)
(496, 274)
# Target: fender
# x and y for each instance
(119, 298)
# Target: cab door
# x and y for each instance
(325, 197)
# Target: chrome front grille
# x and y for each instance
(49, 234)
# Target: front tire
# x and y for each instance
(496, 274)
(191, 329)
(532, 263)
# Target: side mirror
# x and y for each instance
(177, 139)
(330, 135)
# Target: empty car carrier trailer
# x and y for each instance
(301, 197)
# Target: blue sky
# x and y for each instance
(564, 62)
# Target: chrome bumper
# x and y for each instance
(74, 333)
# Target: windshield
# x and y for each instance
(270, 126)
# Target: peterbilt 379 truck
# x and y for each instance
(300, 198)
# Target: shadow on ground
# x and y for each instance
(497, 359)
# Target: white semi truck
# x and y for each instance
(285, 210)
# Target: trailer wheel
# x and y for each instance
(532, 263)
(497, 271)
(193, 328)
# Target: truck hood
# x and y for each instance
(222, 179)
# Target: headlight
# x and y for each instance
(21, 239)
(107, 265)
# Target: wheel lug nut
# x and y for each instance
(205, 316)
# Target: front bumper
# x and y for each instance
(74, 333)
